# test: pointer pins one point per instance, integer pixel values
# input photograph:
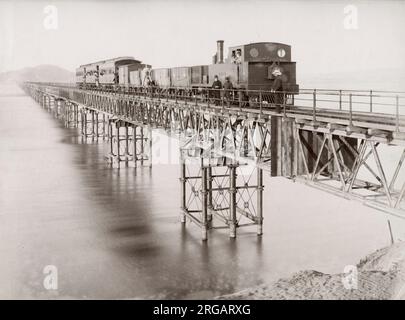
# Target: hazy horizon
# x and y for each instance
(175, 33)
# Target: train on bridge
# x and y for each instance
(250, 68)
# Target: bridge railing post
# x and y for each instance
(340, 99)
(397, 112)
(314, 106)
(221, 97)
(350, 110)
(284, 103)
(261, 101)
(371, 100)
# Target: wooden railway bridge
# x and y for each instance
(333, 140)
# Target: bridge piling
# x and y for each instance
(232, 201)
(260, 187)
(129, 143)
(220, 193)
(204, 201)
(210, 200)
(71, 116)
(183, 183)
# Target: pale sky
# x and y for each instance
(175, 33)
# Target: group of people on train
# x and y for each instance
(277, 89)
(229, 94)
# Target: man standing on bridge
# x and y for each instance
(217, 86)
(278, 88)
(228, 87)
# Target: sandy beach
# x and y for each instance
(380, 275)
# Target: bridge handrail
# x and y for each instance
(333, 92)
(337, 92)
(318, 92)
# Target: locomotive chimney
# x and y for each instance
(220, 51)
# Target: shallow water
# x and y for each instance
(116, 233)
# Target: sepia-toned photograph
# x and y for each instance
(214, 151)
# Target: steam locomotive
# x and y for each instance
(249, 67)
